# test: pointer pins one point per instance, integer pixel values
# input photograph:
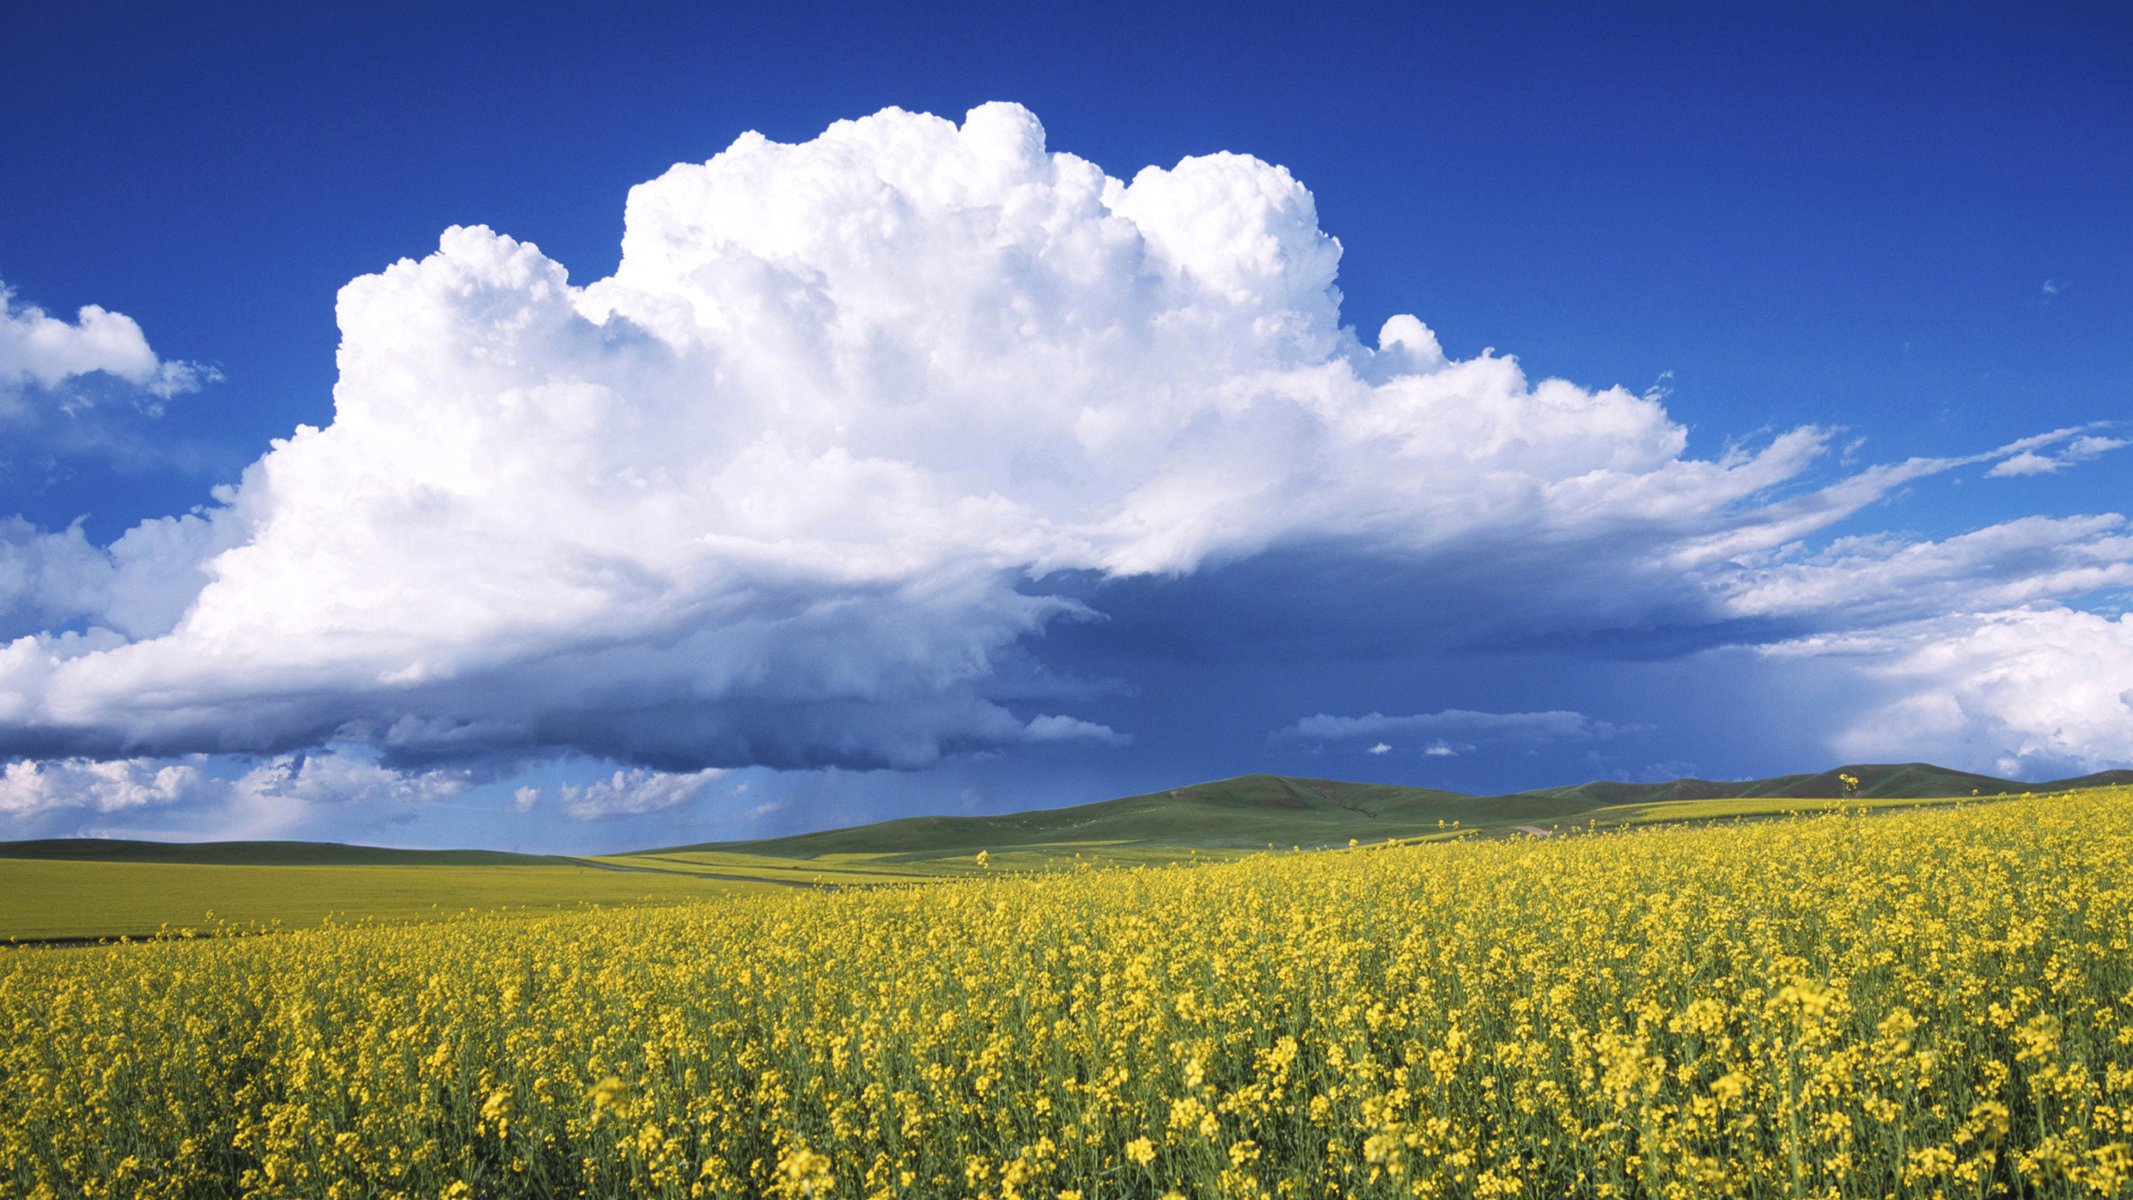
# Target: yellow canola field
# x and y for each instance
(1923, 1004)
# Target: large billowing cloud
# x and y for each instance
(783, 489)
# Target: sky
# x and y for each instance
(567, 429)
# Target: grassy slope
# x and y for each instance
(75, 888)
(1246, 813)
(1252, 812)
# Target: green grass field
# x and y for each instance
(85, 889)
(44, 899)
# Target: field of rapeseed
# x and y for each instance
(1929, 1004)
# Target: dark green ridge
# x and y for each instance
(266, 854)
(2118, 778)
(1877, 781)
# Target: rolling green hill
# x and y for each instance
(1244, 813)
(1249, 812)
(82, 888)
(1254, 811)
(1877, 781)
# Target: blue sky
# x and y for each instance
(786, 524)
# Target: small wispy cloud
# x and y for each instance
(1056, 728)
(51, 367)
(1467, 725)
(2072, 453)
(635, 791)
(86, 390)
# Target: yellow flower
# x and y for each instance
(802, 1172)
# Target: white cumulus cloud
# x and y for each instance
(31, 788)
(780, 491)
(2026, 693)
(266, 797)
(44, 355)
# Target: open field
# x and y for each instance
(73, 899)
(45, 899)
(849, 869)
(1923, 1003)
(1675, 812)
(87, 889)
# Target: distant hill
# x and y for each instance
(1248, 812)
(2119, 778)
(1254, 811)
(1877, 781)
(264, 854)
